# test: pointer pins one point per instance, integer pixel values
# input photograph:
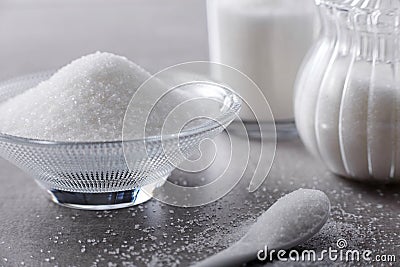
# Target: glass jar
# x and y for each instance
(347, 99)
(266, 40)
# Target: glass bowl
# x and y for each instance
(95, 175)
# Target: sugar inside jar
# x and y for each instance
(348, 90)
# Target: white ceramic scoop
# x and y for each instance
(290, 221)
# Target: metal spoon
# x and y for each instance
(290, 221)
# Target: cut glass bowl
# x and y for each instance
(95, 175)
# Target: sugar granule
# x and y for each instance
(83, 101)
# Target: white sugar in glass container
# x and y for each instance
(348, 90)
(266, 40)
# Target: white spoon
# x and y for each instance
(290, 221)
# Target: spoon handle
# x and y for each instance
(230, 257)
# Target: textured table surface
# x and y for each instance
(44, 34)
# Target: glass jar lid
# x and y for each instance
(379, 16)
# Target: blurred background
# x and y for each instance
(38, 35)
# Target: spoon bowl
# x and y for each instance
(290, 221)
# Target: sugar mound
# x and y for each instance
(84, 101)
